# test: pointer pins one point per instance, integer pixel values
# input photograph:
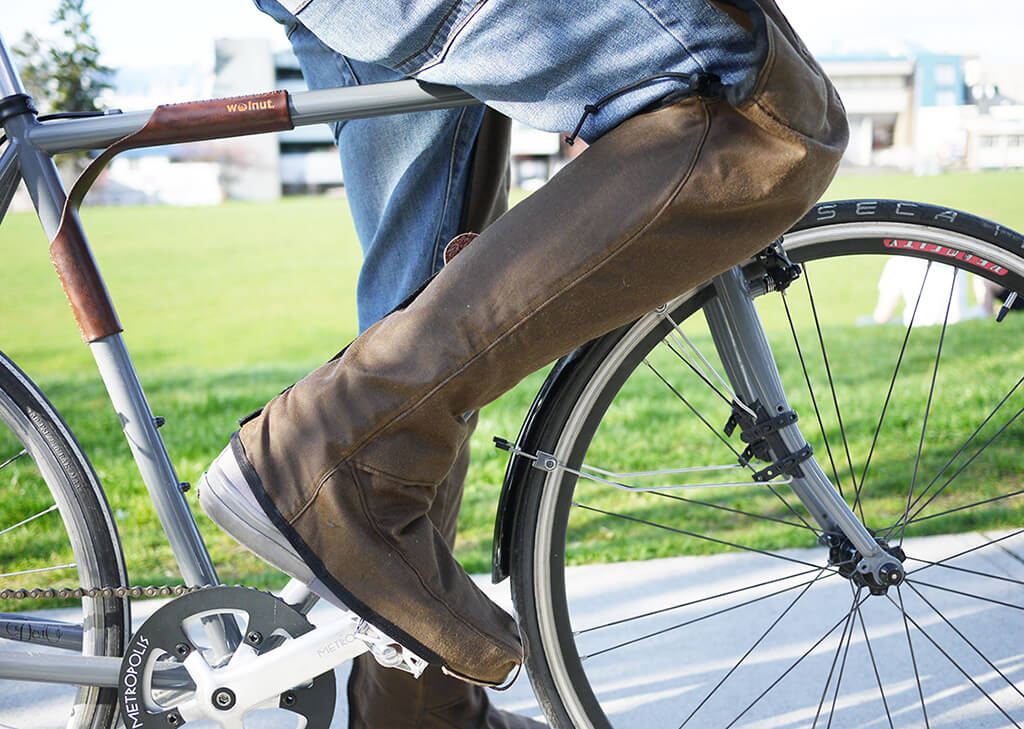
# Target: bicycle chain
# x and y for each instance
(77, 593)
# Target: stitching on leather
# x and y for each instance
(414, 403)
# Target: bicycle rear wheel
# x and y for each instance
(723, 609)
(55, 530)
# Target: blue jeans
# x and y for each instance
(406, 176)
(538, 61)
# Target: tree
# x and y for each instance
(65, 73)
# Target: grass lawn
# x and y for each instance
(225, 306)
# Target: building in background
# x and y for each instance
(929, 113)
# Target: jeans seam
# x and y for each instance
(414, 403)
(676, 38)
(433, 36)
(456, 32)
(447, 191)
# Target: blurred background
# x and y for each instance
(929, 87)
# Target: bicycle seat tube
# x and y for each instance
(750, 367)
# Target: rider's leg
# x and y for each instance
(453, 165)
(346, 464)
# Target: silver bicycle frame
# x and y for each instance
(732, 318)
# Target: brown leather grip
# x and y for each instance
(171, 123)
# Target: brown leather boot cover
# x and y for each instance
(383, 698)
(351, 456)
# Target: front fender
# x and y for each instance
(541, 422)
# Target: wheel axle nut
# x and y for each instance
(223, 698)
(890, 574)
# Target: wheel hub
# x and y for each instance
(850, 563)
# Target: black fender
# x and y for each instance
(543, 421)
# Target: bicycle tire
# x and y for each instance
(85, 533)
(657, 674)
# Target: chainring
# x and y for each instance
(162, 642)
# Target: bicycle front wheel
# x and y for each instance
(656, 597)
(56, 530)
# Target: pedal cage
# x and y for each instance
(387, 652)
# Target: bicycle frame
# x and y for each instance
(28, 156)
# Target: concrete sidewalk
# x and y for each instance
(657, 682)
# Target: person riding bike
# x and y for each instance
(711, 131)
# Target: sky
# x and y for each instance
(135, 33)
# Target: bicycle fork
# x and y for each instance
(750, 367)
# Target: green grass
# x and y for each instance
(223, 307)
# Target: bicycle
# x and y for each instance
(575, 482)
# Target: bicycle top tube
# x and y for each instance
(306, 107)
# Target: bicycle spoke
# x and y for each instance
(678, 334)
(842, 667)
(44, 512)
(967, 641)
(810, 391)
(696, 536)
(12, 459)
(967, 506)
(913, 658)
(728, 445)
(694, 410)
(795, 664)
(949, 658)
(965, 465)
(835, 660)
(765, 517)
(956, 455)
(693, 621)
(750, 650)
(892, 384)
(967, 594)
(831, 382)
(964, 569)
(874, 666)
(40, 569)
(989, 543)
(928, 406)
(696, 371)
(660, 611)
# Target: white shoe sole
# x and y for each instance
(227, 499)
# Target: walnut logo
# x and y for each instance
(250, 105)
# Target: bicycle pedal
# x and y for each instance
(387, 652)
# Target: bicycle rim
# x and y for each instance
(739, 618)
(56, 531)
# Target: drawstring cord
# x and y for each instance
(700, 83)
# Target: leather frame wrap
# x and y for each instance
(169, 124)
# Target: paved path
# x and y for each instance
(642, 688)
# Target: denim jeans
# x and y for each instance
(405, 176)
(538, 61)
